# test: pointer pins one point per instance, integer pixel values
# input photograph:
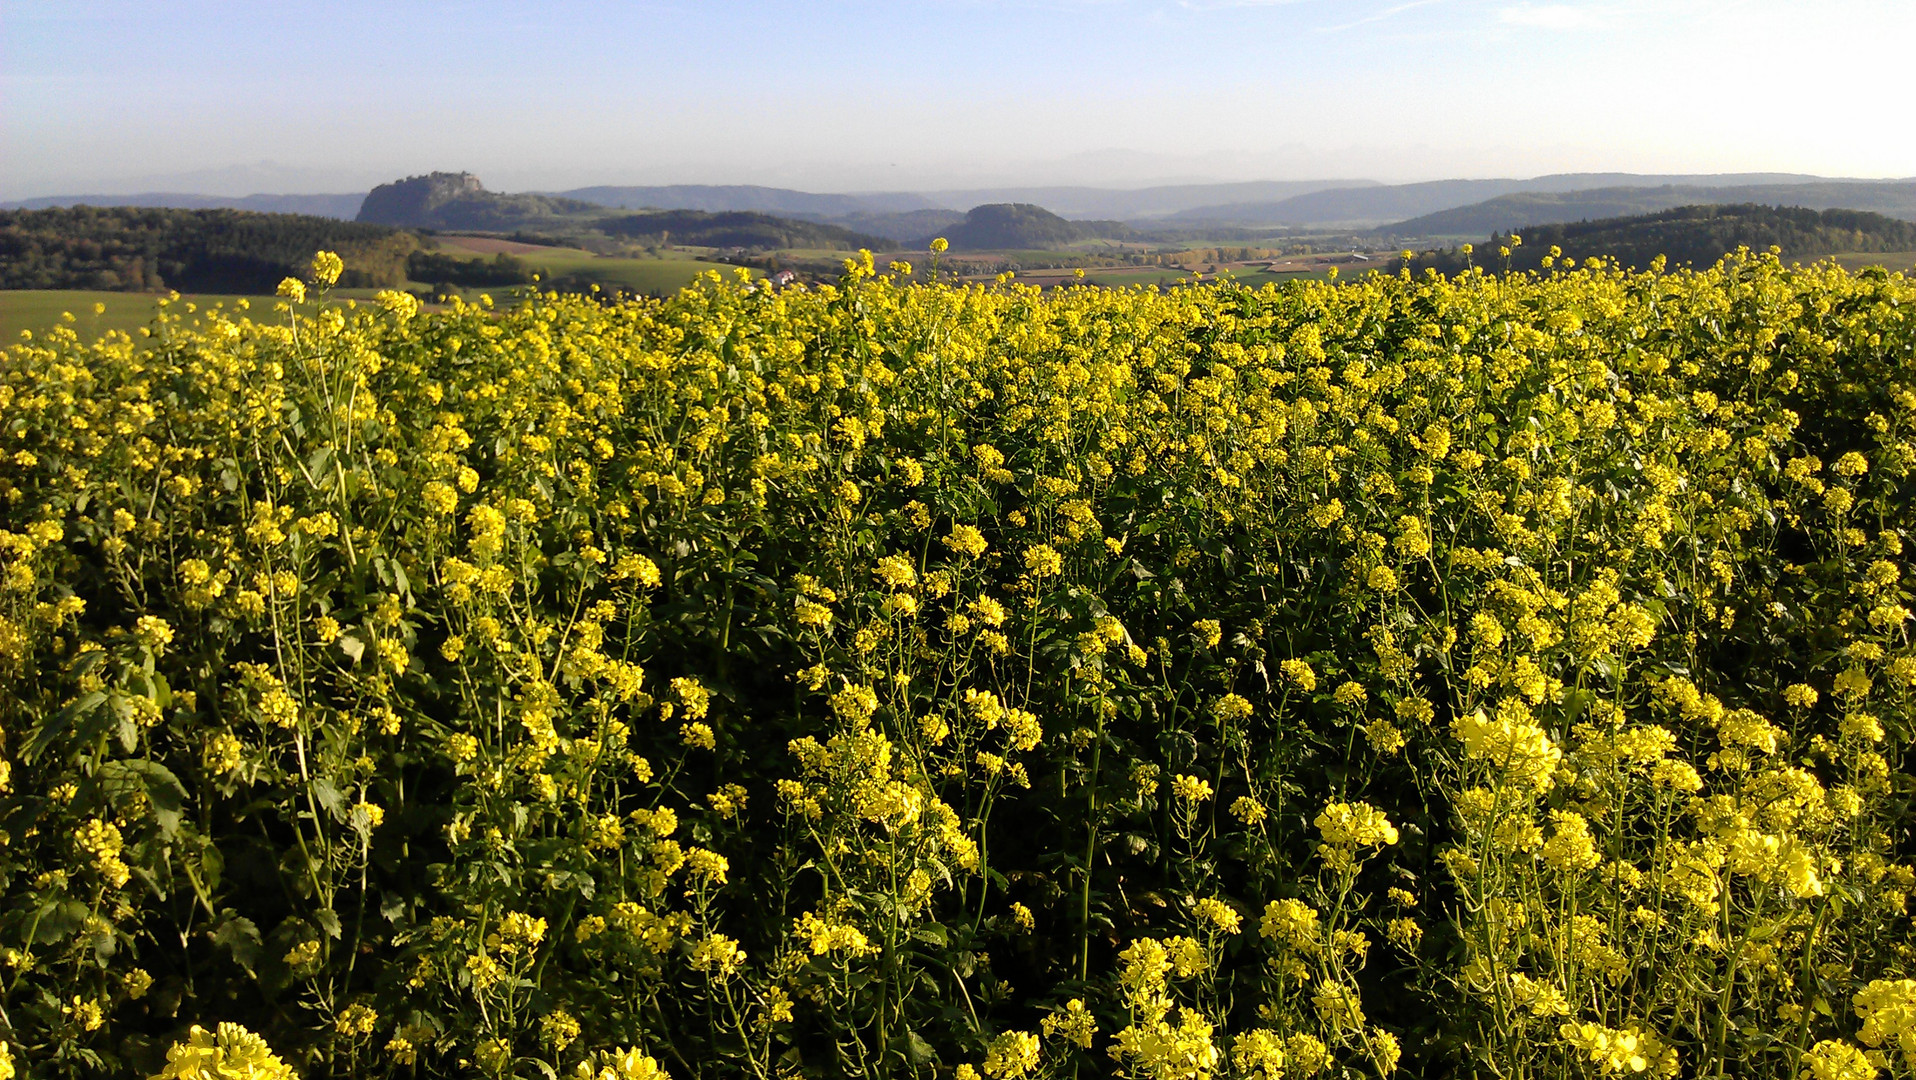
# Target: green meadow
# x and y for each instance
(94, 313)
(650, 276)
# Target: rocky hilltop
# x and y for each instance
(410, 201)
(444, 200)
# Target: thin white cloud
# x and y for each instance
(1388, 13)
(1550, 17)
(1212, 5)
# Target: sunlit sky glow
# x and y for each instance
(232, 98)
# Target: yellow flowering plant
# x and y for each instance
(1501, 675)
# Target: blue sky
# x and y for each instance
(853, 95)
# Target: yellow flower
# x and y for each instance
(327, 267)
(1042, 561)
(558, 1029)
(1011, 1055)
(966, 540)
(1570, 847)
(367, 816)
(1219, 915)
(1190, 789)
(1291, 923)
(1299, 673)
(1836, 1060)
(1074, 1023)
(1621, 1051)
(153, 632)
(440, 497)
(1799, 695)
(628, 1065)
(1512, 744)
(717, 954)
(1259, 1054)
(230, 1052)
(356, 1020)
(1887, 1008)
(1347, 827)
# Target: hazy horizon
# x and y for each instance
(220, 98)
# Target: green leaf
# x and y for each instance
(123, 715)
(58, 920)
(60, 722)
(328, 920)
(352, 647)
(915, 1049)
(240, 936)
(153, 780)
(329, 797)
(204, 869)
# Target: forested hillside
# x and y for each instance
(1694, 235)
(1023, 226)
(737, 228)
(1527, 209)
(144, 248)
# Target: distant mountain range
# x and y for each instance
(1371, 206)
(902, 216)
(344, 207)
(1141, 204)
(1433, 208)
(714, 198)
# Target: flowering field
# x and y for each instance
(1491, 677)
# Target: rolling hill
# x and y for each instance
(1024, 227)
(902, 215)
(901, 227)
(1526, 209)
(1141, 204)
(1396, 202)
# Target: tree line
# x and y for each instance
(1688, 235)
(137, 249)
